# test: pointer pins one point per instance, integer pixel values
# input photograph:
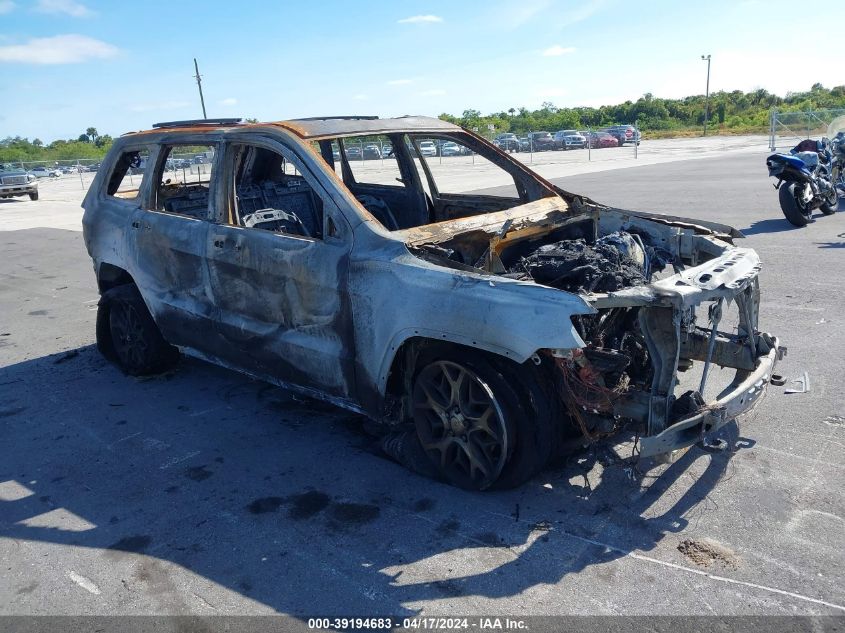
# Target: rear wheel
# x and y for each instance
(831, 203)
(473, 423)
(136, 343)
(793, 205)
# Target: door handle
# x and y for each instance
(218, 243)
(136, 224)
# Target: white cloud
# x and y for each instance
(434, 92)
(399, 82)
(68, 7)
(557, 50)
(160, 105)
(7, 6)
(60, 49)
(421, 19)
(228, 101)
(360, 97)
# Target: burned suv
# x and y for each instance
(487, 330)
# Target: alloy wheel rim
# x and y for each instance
(129, 343)
(460, 424)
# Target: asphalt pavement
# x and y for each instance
(204, 492)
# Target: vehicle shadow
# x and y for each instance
(769, 225)
(286, 501)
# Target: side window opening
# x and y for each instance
(184, 180)
(127, 176)
(271, 194)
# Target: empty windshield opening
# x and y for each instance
(410, 180)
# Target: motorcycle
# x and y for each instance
(836, 134)
(805, 180)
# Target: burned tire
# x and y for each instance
(132, 339)
(792, 209)
(475, 421)
(831, 204)
(33, 196)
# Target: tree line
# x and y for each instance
(735, 112)
(89, 145)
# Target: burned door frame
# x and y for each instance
(171, 246)
(281, 310)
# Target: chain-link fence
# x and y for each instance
(787, 129)
(537, 149)
(533, 147)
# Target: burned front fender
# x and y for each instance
(396, 297)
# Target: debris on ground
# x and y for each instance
(803, 383)
(705, 553)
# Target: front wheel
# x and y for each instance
(473, 424)
(793, 205)
(33, 196)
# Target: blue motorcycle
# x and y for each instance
(805, 180)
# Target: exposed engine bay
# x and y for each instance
(651, 284)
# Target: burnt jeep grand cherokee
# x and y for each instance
(490, 328)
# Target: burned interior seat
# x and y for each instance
(191, 201)
(272, 200)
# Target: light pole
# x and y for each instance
(707, 92)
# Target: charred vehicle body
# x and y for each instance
(495, 327)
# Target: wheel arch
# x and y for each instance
(110, 276)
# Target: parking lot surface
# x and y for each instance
(204, 492)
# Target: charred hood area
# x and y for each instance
(646, 277)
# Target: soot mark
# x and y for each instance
(198, 473)
(307, 504)
(265, 505)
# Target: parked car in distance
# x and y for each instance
(569, 139)
(428, 148)
(372, 151)
(624, 134)
(541, 141)
(598, 140)
(450, 148)
(17, 182)
(387, 150)
(353, 152)
(45, 172)
(507, 142)
(524, 144)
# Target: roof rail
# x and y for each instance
(191, 122)
(346, 118)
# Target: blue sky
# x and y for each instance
(119, 66)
